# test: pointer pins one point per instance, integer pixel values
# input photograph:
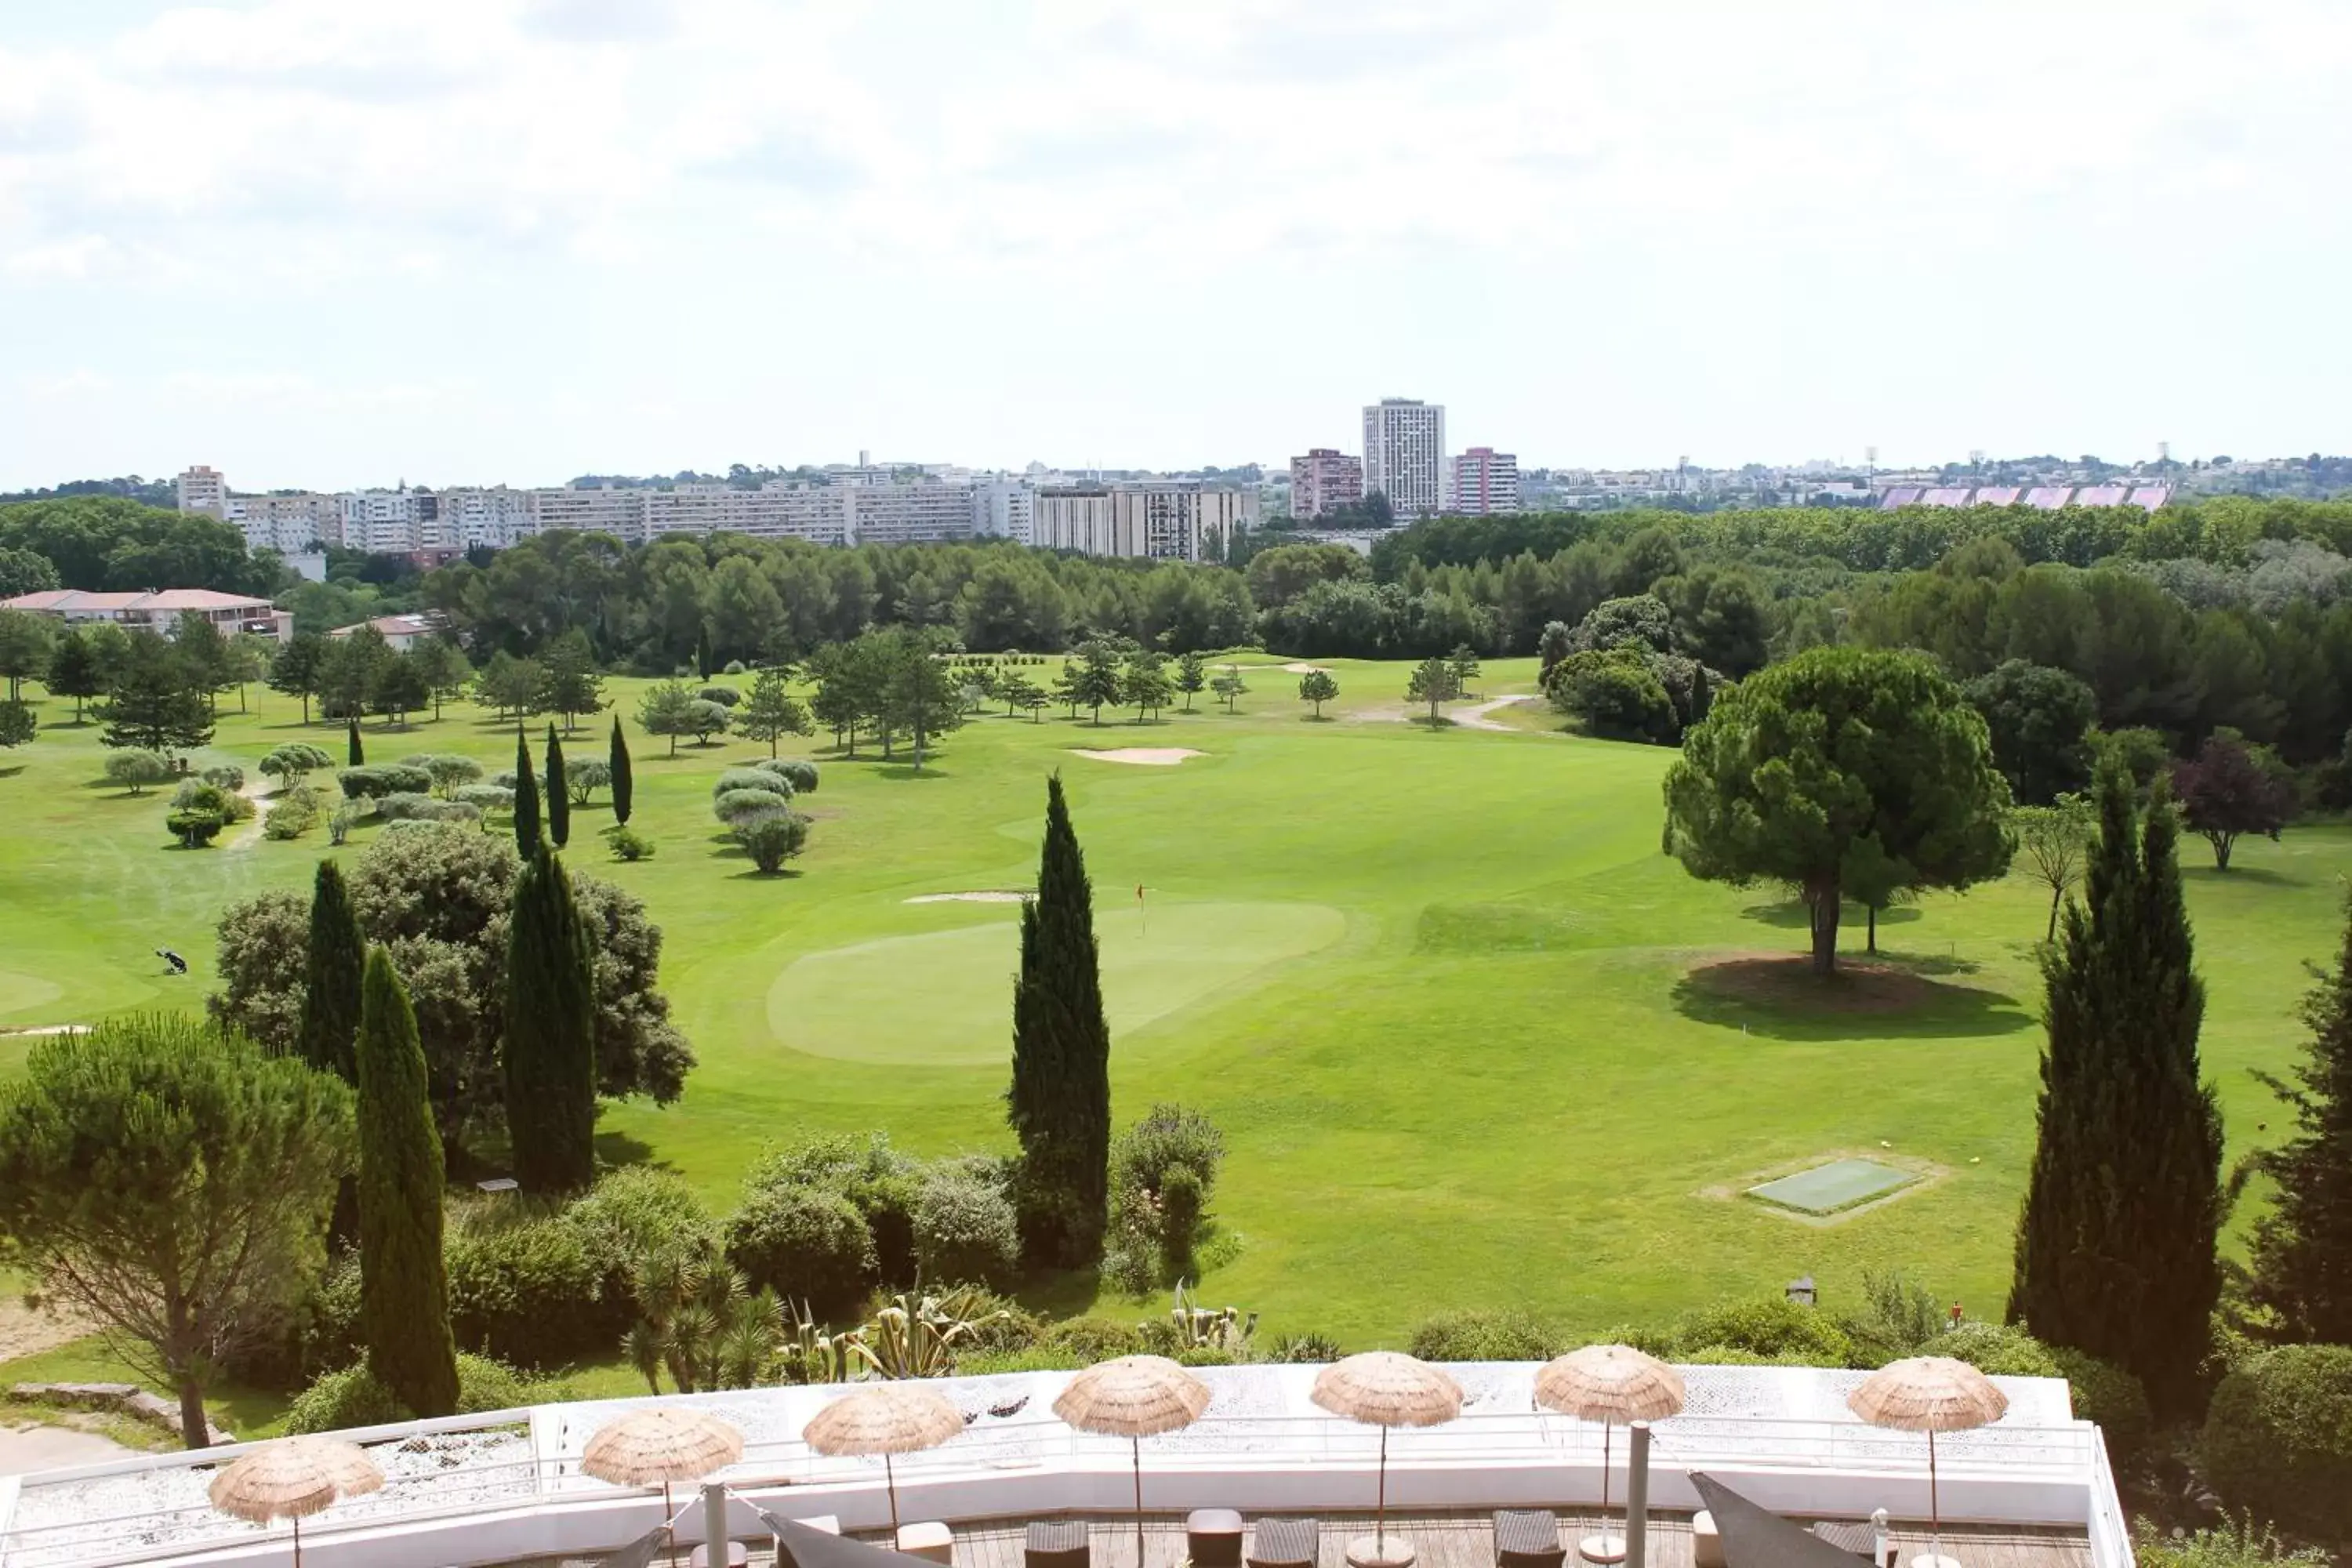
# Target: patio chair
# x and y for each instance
(1528, 1537)
(1213, 1538)
(1057, 1543)
(1869, 1541)
(1285, 1543)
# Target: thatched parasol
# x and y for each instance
(656, 1446)
(1384, 1389)
(293, 1479)
(884, 1419)
(1929, 1393)
(1609, 1384)
(1134, 1398)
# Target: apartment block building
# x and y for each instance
(203, 489)
(290, 524)
(1005, 509)
(1404, 455)
(1485, 482)
(1323, 479)
(1167, 521)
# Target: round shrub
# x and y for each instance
(1732, 1355)
(807, 1244)
(725, 695)
(1507, 1335)
(340, 1400)
(530, 1294)
(634, 1213)
(628, 844)
(351, 1397)
(794, 771)
(2278, 1439)
(374, 783)
(406, 807)
(135, 769)
(1772, 1327)
(1996, 1350)
(2107, 1395)
(194, 827)
(486, 796)
(1096, 1339)
(294, 812)
(772, 838)
(225, 775)
(965, 1230)
(738, 807)
(734, 779)
(733, 666)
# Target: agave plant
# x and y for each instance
(915, 1336)
(811, 1355)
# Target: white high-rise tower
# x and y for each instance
(1404, 455)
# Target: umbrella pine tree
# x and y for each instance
(403, 1289)
(2116, 1242)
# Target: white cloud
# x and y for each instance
(290, 182)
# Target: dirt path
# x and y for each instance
(250, 834)
(23, 1332)
(1475, 718)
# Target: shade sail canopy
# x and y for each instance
(1756, 1537)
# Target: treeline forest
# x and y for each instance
(2226, 615)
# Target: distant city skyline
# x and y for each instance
(326, 240)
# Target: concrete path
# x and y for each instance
(24, 1449)
(1475, 718)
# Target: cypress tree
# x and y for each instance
(1059, 1101)
(2302, 1247)
(526, 806)
(358, 754)
(2115, 1243)
(550, 1054)
(403, 1289)
(559, 799)
(622, 783)
(331, 970)
(702, 653)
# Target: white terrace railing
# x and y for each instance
(493, 1489)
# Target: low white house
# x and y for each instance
(160, 610)
(400, 632)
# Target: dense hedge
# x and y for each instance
(2278, 1439)
(351, 1397)
(531, 1293)
(805, 1243)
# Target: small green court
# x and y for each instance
(1834, 1187)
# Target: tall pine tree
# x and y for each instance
(2115, 1243)
(353, 752)
(622, 786)
(549, 1053)
(1059, 1101)
(559, 797)
(404, 1288)
(526, 804)
(331, 970)
(2302, 1247)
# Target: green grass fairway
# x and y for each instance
(939, 999)
(1473, 1041)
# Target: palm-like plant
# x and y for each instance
(698, 1322)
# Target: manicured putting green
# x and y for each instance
(26, 994)
(1826, 1189)
(943, 998)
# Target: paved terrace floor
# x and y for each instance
(1451, 1539)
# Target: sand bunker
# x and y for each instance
(1303, 669)
(1143, 757)
(983, 898)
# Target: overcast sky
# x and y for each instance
(343, 242)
